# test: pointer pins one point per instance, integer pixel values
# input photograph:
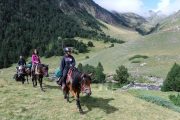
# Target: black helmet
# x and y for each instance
(67, 49)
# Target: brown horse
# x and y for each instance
(20, 75)
(41, 71)
(27, 73)
(77, 82)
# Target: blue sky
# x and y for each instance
(141, 7)
(151, 4)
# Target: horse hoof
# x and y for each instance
(81, 112)
(42, 90)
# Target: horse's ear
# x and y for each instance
(90, 74)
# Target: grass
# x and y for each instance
(157, 97)
(23, 102)
(162, 50)
(120, 32)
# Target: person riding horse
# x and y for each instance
(21, 62)
(67, 62)
(35, 60)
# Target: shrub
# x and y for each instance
(160, 101)
(136, 61)
(175, 99)
(138, 56)
(172, 81)
(87, 57)
(121, 75)
(98, 75)
(90, 44)
(112, 45)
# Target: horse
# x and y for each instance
(41, 71)
(27, 73)
(76, 83)
(20, 75)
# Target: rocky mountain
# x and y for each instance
(170, 23)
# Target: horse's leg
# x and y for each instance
(67, 93)
(40, 83)
(36, 77)
(78, 103)
(22, 79)
(27, 79)
(33, 80)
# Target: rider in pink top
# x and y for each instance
(35, 59)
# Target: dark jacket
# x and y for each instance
(67, 62)
(21, 62)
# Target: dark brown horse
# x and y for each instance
(41, 71)
(27, 73)
(20, 75)
(76, 83)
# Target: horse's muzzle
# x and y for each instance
(88, 92)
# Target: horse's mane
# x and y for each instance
(76, 76)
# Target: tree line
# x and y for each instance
(29, 24)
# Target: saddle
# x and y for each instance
(69, 78)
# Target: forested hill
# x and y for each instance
(28, 24)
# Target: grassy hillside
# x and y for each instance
(120, 32)
(162, 49)
(23, 102)
(171, 23)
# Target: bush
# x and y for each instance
(172, 81)
(112, 45)
(160, 101)
(90, 44)
(87, 57)
(175, 99)
(121, 75)
(98, 75)
(138, 56)
(136, 61)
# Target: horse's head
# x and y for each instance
(86, 84)
(21, 69)
(45, 70)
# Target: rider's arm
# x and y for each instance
(19, 63)
(33, 59)
(24, 62)
(73, 62)
(62, 65)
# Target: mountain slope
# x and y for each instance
(171, 23)
(136, 22)
(38, 24)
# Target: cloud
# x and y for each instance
(168, 7)
(135, 6)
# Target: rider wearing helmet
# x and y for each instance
(67, 62)
(21, 62)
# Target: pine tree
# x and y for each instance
(100, 76)
(121, 75)
(80, 67)
(172, 81)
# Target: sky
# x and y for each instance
(141, 7)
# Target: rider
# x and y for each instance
(67, 62)
(35, 59)
(21, 62)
